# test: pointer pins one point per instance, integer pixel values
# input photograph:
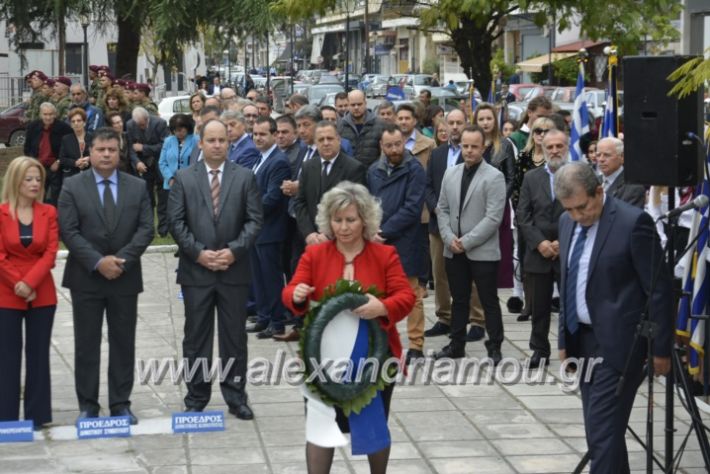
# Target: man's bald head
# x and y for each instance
(358, 105)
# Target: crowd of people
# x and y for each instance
(267, 212)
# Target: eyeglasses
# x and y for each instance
(541, 131)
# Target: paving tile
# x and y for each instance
(482, 465)
(515, 431)
(544, 463)
(510, 447)
(437, 426)
(456, 449)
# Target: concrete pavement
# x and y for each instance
(512, 427)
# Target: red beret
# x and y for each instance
(49, 82)
(39, 74)
(143, 87)
(64, 80)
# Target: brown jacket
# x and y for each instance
(423, 147)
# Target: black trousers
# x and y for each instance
(541, 287)
(606, 415)
(38, 388)
(121, 315)
(52, 185)
(268, 282)
(461, 273)
(197, 344)
(158, 196)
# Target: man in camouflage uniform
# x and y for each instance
(62, 101)
(93, 83)
(105, 82)
(141, 98)
(35, 79)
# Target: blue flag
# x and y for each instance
(580, 117)
(609, 120)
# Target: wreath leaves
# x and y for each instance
(349, 397)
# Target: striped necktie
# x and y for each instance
(571, 318)
(214, 190)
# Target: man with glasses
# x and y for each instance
(94, 116)
(537, 216)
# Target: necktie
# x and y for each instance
(109, 203)
(571, 319)
(309, 154)
(605, 184)
(258, 164)
(214, 190)
(324, 175)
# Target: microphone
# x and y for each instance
(697, 203)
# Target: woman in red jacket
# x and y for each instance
(350, 217)
(29, 237)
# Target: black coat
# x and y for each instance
(366, 144)
(34, 134)
(310, 190)
(71, 151)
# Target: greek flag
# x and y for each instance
(609, 118)
(696, 283)
(580, 117)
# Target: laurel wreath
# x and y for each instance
(348, 396)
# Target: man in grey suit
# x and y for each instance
(469, 212)
(215, 216)
(106, 222)
(538, 215)
(610, 161)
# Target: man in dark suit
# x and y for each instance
(207, 113)
(106, 223)
(271, 170)
(319, 175)
(146, 134)
(43, 140)
(610, 161)
(241, 146)
(609, 252)
(215, 217)
(287, 138)
(537, 216)
(442, 158)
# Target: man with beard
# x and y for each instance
(538, 215)
(397, 179)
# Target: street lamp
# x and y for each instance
(226, 82)
(349, 5)
(84, 20)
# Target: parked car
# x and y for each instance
(169, 106)
(522, 90)
(12, 125)
(318, 91)
(377, 86)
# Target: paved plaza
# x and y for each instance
(513, 427)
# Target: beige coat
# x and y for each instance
(422, 151)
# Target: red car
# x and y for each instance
(12, 125)
(521, 90)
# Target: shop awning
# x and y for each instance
(535, 64)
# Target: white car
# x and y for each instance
(169, 106)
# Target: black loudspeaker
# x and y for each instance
(658, 145)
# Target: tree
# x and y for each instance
(474, 25)
(174, 23)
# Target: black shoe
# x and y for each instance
(269, 332)
(253, 318)
(555, 305)
(515, 305)
(476, 333)
(125, 412)
(450, 352)
(413, 355)
(242, 411)
(537, 360)
(256, 327)
(495, 356)
(189, 409)
(523, 317)
(438, 329)
(87, 414)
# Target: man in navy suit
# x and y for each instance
(271, 170)
(241, 147)
(609, 254)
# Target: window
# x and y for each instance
(73, 64)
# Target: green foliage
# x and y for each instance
(498, 64)
(564, 72)
(691, 76)
(431, 66)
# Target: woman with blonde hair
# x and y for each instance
(350, 217)
(29, 238)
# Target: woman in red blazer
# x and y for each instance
(29, 238)
(351, 217)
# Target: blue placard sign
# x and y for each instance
(106, 427)
(14, 431)
(196, 422)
